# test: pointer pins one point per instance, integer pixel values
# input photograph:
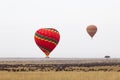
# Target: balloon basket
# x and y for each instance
(47, 57)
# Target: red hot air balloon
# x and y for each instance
(91, 30)
(47, 39)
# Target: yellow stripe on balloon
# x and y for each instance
(46, 40)
(91, 30)
(53, 31)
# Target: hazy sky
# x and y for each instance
(19, 19)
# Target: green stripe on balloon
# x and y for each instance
(46, 38)
(45, 48)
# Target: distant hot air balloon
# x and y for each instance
(91, 30)
(47, 39)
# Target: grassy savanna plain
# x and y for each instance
(59, 75)
(59, 69)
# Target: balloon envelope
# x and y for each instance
(91, 30)
(47, 39)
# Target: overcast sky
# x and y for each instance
(19, 19)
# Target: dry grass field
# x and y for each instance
(59, 69)
(59, 76)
